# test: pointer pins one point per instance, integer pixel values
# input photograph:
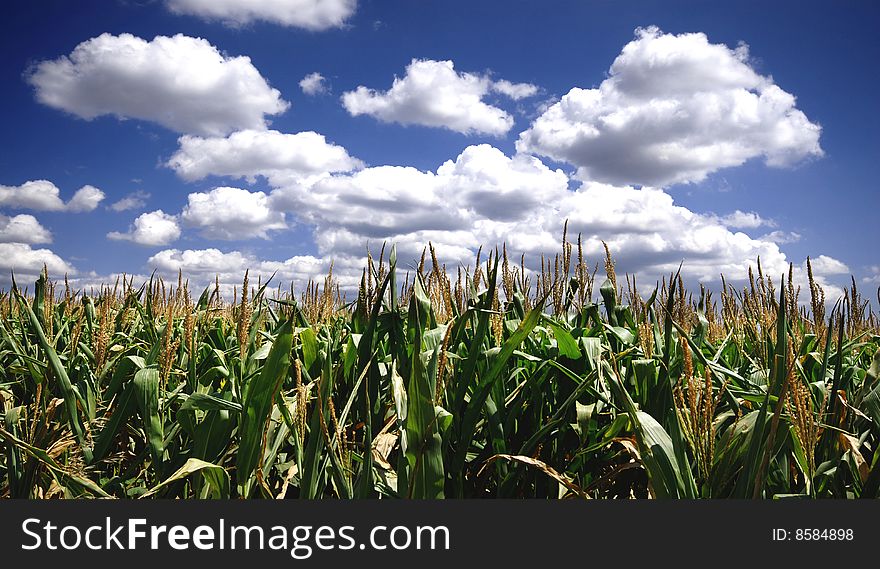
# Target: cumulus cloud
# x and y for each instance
(183, 83)
(134, 200)
(827, 273)
(313, 84)
(374, 202)
(674, 109)
(208, 261)
(745, 220)
(281, 157)
(432, 93)
(25, 261)
(650, 235)
(23, 229)
(515, 91)
(86, 198)
(43, 195)
(232, 213)
(484, 197)
(454, 207)
(781, 237)
(488, 184)
(92, 282)
(152, 229)
(202, 266)
(825, 265)
(309, 14)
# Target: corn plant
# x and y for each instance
(490, 382)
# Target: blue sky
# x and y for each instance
(785, 169)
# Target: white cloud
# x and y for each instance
(484, 197)
(26, 261)
(745, 220)
(246, 154)
(203, 265)
(488, 184)
(873, 275)
(673, 109)
(825, 265)
(309, 14)
(152, 229)
(23, 229)
(455, 207)
(207, 261)
(649, 234)
(515, 91)
(374, 202)
(313, 84)
(43, 195)
(232, 213)
(92, 282)
(781, 237)
(433, 93)
(86, 198)
(183, 83)
(826, 273)
(134, 200)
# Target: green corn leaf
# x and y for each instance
(70, 396)
(261, 393)
(146, 395)
(216, 477)
(564, 340)
(423, 441)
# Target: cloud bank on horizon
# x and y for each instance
(673, 109)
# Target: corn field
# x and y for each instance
(492, 383)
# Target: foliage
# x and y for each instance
(480, 387)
